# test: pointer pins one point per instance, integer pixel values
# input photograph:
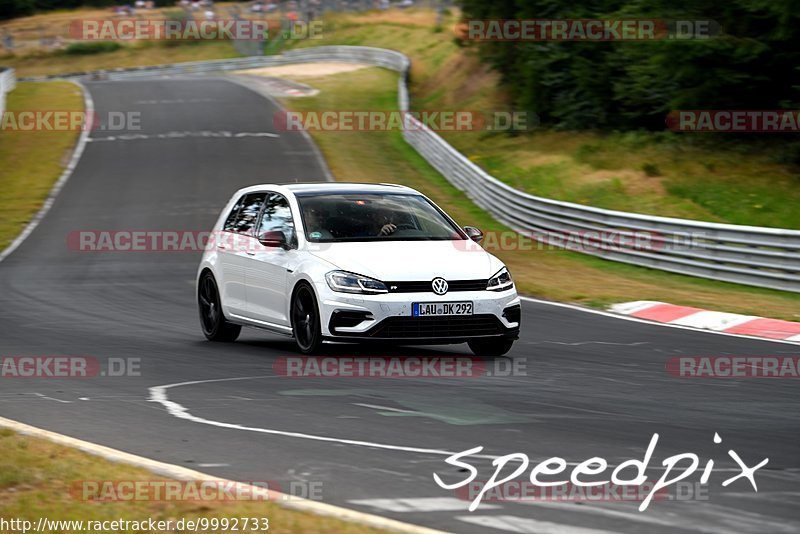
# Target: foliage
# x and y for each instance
(93, 47)
(750, 64)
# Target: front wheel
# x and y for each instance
(215, 327)
(490, 347)
(306, 320)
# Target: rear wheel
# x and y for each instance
(215, 327)
(306, 320)
(490, 347)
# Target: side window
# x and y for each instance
(229, 222)
(277, 217)
(246, 216)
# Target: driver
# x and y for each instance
(383, 220)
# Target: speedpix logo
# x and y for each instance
(396, 367)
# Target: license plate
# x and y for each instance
(424, 309)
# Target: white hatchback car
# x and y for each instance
(354, 263)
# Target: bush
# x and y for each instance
(651, 169)
(626, 85)
(96, 47)
(15, 8)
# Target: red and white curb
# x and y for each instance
(730, 323)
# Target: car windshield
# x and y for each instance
(329, 218)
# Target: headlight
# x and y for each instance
(501, 281)
(354, 283)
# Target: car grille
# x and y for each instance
(438, 327)
(425, 286)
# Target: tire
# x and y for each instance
(212, 320)
(306, 319)
(490, 347)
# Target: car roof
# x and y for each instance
(311, 188)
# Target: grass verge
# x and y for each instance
(33, 160)
(30, 57)
(383, 156)
(41, 479)
(695, 176)
(142, 54)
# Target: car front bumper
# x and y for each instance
(387, 316)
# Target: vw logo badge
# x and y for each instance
(439, 286)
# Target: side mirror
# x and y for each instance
(273, 239)
(473, 233)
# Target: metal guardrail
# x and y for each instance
(763, 257)
(756, 256)
(373, 56)
(8, 82)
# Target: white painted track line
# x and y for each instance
(510, 523)
(181, 473)
(612, 315)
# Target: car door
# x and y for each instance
(267, 268)
(233, 248)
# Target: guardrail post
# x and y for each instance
(8, 82)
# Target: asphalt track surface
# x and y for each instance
(593, 385)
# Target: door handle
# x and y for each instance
(249, 253)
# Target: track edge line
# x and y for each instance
(251, 86)
(621, 317)
(88, 105)
(182, 473)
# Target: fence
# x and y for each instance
(756, 256)
(7, 83)
(341, 54)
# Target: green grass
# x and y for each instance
(38, 479)
(30, 59)
(374, 156)
(31, 161)
(87, 49)
(664, 173)
(107, 56)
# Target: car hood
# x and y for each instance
(399, 261)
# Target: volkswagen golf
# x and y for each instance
(353, 263)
